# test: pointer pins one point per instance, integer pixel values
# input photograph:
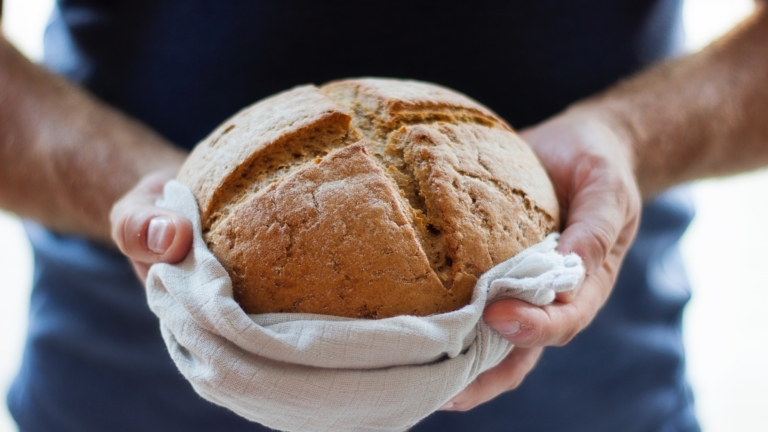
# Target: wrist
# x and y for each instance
(608, 120)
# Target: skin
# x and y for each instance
(695, 117)
(65, 157)
(66, 160)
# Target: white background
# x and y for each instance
(724, 249)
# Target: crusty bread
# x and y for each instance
(366, 198)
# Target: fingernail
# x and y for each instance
(448, 405)
(160, 234)
(507, 328)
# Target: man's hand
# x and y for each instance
(148, 234)
(592, 167)
(692, 117)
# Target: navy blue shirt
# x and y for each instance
(94, 359)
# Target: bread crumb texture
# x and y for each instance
(366, 198)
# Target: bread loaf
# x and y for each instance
(366, 198)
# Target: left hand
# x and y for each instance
(591, 165)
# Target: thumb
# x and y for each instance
(149, 234)
(146, 233)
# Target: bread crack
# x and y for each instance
(405, 220)
(519, 196)
(276, 162)
(373, 122)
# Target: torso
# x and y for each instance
(95, 360)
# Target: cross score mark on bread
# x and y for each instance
(366, 198)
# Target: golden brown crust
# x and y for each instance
(366, 198)
(332, 238)
(216, 166)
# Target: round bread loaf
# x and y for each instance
(366, 198)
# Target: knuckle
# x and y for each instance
(589, 167)
(574, 322)
(575, 329)
(628, 199)
(539, 336)
(602, 240)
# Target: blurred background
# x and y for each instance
(724, 249)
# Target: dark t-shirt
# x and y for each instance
(94, 359)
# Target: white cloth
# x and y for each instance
(305, 372)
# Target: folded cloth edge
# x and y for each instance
(234, 359)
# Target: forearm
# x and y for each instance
(699, 116)
(65, 157)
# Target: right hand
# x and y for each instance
(148, 234)
(591, 160)
(591, 165)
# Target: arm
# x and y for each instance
(65, 157)
(670, 124)
(694, 117)
(699, 116)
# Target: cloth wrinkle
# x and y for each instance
(282, 370)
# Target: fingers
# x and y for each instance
(565, 296)
(506, 376)
(602, 205)
(601, 224)
(148, 234)
(591, 169)
(526, 325)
